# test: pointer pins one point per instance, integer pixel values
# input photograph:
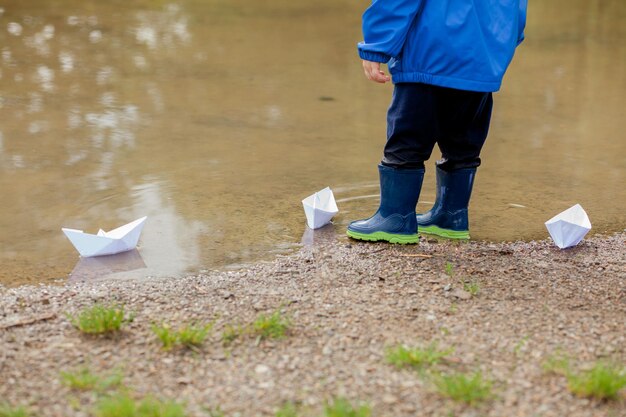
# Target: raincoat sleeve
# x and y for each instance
(385, 27)
(523, 6)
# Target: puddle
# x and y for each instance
(216, 118)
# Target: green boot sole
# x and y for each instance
(388, 237)
(448, 234)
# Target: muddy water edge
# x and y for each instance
(215, 118)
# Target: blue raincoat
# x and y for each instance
(462, 44)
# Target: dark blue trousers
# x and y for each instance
(421, 115)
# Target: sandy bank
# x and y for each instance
(347, 302)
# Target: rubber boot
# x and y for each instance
(395, 220)
(448, 217)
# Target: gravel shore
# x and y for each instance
(347, 302)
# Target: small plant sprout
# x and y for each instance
(215, 412)
(165, 334)
(193, 335)
(231, 333)
(602, 382)
(123, 405)
(341, 407)
(558, 364)
(7, 411)
(190, 335)
(416, 357)
(100, 319)
(449, 268)
(83, 379)
(454, 307)
(471, 287)
(520, 345)
(274, 326)
(287, 410)
(113, 380)
(467, 388)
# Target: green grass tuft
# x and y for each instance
(287, 410)
(274, 326)
(558, 364)
(190, 335)
(81, 380)
(100, 319)
(7, 411)
(416, 357)
(603, 381)
(116, 406)
(231, 333)
(122, 405)
(166, 335)
(194, 335)
(471, 287)
(341, 407)
(467, 388)
(215, 412)
(84, 380)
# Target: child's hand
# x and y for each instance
(374, 73)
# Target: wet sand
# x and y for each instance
(347, 302)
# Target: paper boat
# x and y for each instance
(319, 208)
(569, 227)
(118, 240)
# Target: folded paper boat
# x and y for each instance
(569, 227)
(122, 239)
(319, 208)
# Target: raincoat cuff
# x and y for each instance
(374, 56)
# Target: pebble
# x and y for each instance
(261, 369)
(461, 294)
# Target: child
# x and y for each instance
(446, 57)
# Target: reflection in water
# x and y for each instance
(318, 237)
(216, 118)
(105, 266)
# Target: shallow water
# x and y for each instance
(215, 118)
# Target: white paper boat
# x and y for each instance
(319, 208)
(569, 227)
(118, 240)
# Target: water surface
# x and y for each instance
(215, 118)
